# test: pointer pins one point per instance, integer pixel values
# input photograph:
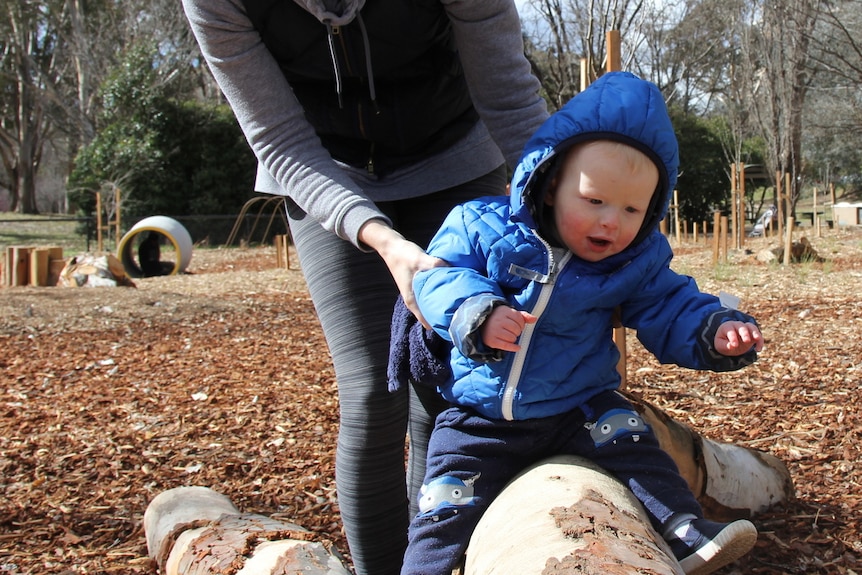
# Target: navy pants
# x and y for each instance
(471, 458)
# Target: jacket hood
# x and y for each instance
(618, 106)
(332, 12)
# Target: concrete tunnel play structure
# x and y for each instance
(154, 230)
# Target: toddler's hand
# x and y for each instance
(737, 338)
(504, 326)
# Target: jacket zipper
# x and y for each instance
(515, 374)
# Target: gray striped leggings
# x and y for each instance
(354, 295)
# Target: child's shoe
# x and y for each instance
(702, 546)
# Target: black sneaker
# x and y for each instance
(702, 546)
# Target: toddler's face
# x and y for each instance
(601, 197)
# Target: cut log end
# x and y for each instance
(197, 531)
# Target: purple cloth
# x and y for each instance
(416, 354)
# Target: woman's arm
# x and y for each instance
(273, 120)
(504, 90)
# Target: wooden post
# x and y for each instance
(733, 203)
(55, 265)
(815, 219)
(716, 223)
(741, 190)
(39, 259)
(99, 228)
(116, 216)
(788, 240)
(21, 263)
(282, 255)
(622, 367)
(31, 265)
(108, 223)
(676, 216)
(724, 238)
(619, 336)
(614, 63)
(779, 205)
(7, 267)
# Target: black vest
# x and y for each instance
(422, 102)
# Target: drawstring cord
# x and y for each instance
(372, 91)
(368, 69)
(335, 68)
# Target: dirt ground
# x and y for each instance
(220, 377)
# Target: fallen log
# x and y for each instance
(563, 515)
(197, 531)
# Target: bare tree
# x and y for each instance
(565, 32)
(27, 53)
(54, 55)
(688, 48)
(778, 54)
(833, 121)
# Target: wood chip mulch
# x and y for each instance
(221, 378)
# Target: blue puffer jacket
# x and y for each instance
(497, 256)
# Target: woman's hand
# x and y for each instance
(403, 258)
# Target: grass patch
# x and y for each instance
(35, 230)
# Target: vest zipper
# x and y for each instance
(370, 164)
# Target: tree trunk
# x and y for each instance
(27, 190)
(197, 531)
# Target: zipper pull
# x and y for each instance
(369, 165)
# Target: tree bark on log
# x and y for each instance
(197, 531)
